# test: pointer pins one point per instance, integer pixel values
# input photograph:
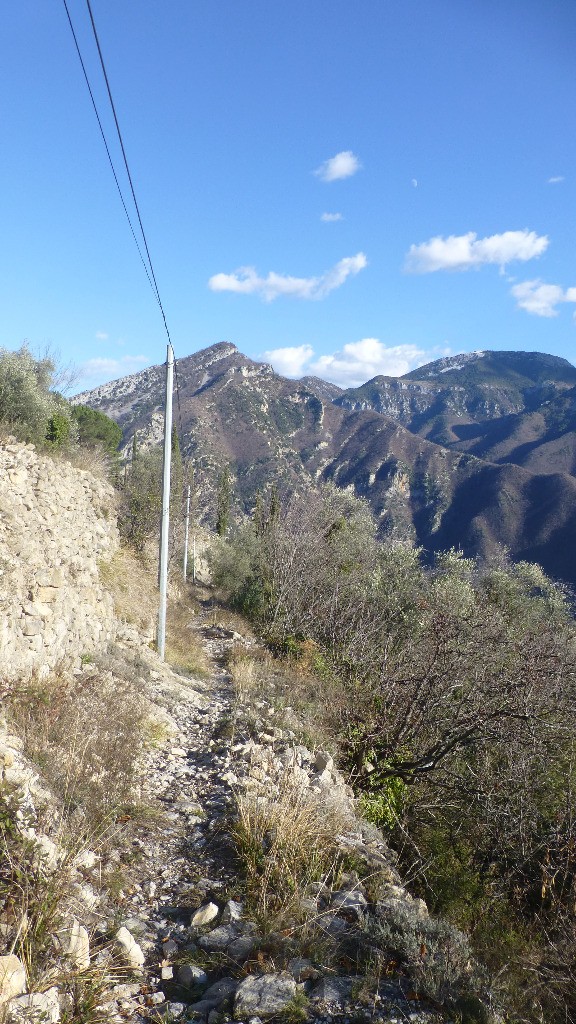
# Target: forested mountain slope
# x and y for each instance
(473, 451)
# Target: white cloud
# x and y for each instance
(101, 336)
(541, 299)
(556, 179)
(99, 370)
(462, 252)
(329, 218)
(343, 165)
(359, 361)
(356, 363)
(245, 281)
(290, 361)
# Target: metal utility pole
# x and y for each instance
(186, 534)
(165, 524)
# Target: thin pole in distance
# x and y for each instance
(165, 524)
(186, 533)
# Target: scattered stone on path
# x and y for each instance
(205, 915)
(130, 949)
(264, 995)
(12, 977)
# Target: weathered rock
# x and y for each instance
(217, 996)
(232, 912)
(190, 975)
(323, 762)
(130, 949)
(332, 991)
(205, 915)
(86, 859)
(349, 904)
(221, 990)
(76, 945)
(218, 939)
(302, 969)
(264, 996)
(12, 977)
(36, 1008)
(241, 948)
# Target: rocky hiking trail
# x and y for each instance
(181, 927)
(159, 917)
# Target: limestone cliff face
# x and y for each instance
(56, 523)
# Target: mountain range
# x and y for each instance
(476, 451)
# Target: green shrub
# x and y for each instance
(436, 956)
(96, 429)
(29, 407)
(450, 693)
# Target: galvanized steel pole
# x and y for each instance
(165, 525)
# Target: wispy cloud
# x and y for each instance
(329, 218)
(556, 179)
(463, 252)
(246, 281)
(99, 370)
(343, 165)
(290, 361)
(541, 299)
(101, 336)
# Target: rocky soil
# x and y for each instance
(169, 905)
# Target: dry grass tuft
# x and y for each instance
(134, 589)
(244, 669)
(91, 458)
(293, 689)
(85, 733)
(184, 650)
(285, 843)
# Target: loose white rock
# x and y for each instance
(205, 915)
(130, 949)
(264, 996)
(36, 1008)
(12, 977)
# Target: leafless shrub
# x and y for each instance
(451, 694)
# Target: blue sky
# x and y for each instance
(338, 188)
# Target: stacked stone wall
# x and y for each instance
(56, 524)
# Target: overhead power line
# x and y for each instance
(105, 141)
(121, 141)
(149, 266)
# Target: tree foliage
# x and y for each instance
(96, 429)
(223, 502)
(30, 408)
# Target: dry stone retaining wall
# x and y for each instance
(56, 523)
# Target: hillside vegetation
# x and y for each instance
(475, 451)
(449, 693)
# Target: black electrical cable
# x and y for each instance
(181, 429)
(150, 267)
(128, 169)
(102, 133)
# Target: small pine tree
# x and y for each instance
(274, 514)
(258, 516)
(223, 502)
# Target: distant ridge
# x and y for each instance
(476, 451)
